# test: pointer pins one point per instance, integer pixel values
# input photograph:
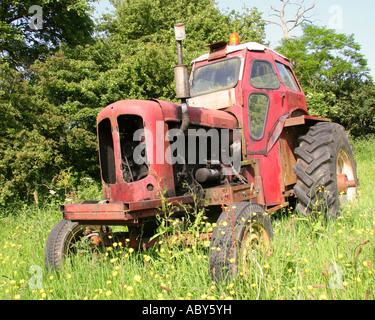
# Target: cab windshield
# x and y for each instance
(216, 76)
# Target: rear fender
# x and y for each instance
(293, 128)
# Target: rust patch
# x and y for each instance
(288, 161)
(228, 194)
(217, 50)
(295, 121)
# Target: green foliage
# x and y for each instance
(334, 76)
(66, 20)
(321, 57)
(37, 138)
(361, 119)
(152, 21)
(354, 109)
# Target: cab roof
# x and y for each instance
(251, 46)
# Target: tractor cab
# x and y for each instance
(258, 86)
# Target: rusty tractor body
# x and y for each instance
(242, 133)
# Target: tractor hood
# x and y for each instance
(127, 126)
(153, 110)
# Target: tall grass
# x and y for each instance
(309, 259)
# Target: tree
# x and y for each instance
(32, 127)
(362, 113)
(31, 28)
(148, 20)
(333, 73)
(289, 24)
(321, 57)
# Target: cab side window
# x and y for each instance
(263, 75)
(287, 76)
(258, 107)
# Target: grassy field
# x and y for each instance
(309, 260)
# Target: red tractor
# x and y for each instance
(242, 134)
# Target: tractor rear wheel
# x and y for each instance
(243, 231)
(326, 170)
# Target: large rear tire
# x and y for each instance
(326, 170)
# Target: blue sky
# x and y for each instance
(346, 16)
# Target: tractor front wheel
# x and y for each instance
(61, 242)
(242, 236)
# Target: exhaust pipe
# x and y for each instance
(181, 76)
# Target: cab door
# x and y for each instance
(262, 103)
(263, 112)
